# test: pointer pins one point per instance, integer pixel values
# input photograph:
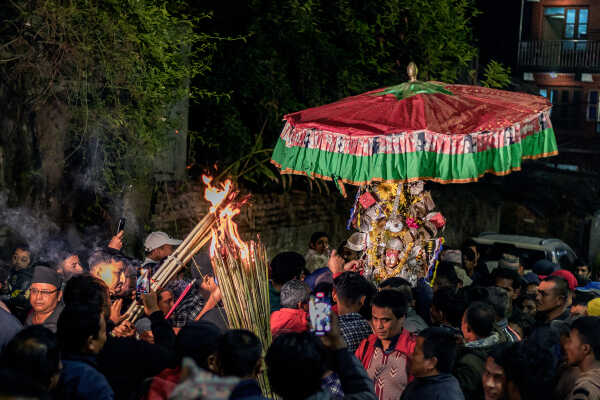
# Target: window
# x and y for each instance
(561, 23)
(569, 106)
(592, 106)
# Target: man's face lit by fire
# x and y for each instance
(113, 274)
(71, 266)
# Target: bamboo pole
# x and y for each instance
(189, 247)
(245, 289)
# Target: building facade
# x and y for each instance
(559, 51)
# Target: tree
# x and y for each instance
(88, 87)
(300, 54)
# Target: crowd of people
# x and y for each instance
(504, 328)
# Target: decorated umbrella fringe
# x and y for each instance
(244, 283)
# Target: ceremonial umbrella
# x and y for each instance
(416, 131)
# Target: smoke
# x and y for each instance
(47, 242)
(34, 230)
(91, 177)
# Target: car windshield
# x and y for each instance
(565, 258)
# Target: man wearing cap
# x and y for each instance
(45, 298)
(158, 246)
(512, 262)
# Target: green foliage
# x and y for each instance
(120, 65)
(496, 75)
(301, 54)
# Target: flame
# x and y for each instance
(214, 194)
(232, 230)
(227, 229)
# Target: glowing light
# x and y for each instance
(227, 229)
(214, 194)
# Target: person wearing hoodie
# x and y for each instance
(478, 331)
(583, 351)
(431, 364)
(292, 317)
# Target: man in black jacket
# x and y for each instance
(296, 364)
(125, 361)
(431, 364)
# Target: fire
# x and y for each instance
(214, 194)
(227, 229)
(232, 231)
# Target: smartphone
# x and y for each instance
(319, 310)
(143, 284)
(121, 225)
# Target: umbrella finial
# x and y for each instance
(412, 71)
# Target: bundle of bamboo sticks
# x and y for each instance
(242, 271)
(191, 245)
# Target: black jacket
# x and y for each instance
(127, 362)
(438, 387)
(356, 384)
(468, 370)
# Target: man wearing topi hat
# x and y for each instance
(45, 297)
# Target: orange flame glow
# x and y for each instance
(214, 194)
(227, 229)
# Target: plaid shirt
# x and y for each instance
(189, 308)
(354, 329)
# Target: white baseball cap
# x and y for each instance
(157, 239)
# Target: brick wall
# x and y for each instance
(537, 203)
(285, 221)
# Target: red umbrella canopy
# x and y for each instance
(434, 107)
(417, 131)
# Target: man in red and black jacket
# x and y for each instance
(385, 354)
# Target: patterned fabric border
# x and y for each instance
(410, 166)
(415, 141)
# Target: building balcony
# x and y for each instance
(560, 55)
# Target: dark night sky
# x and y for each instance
(497, 30)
